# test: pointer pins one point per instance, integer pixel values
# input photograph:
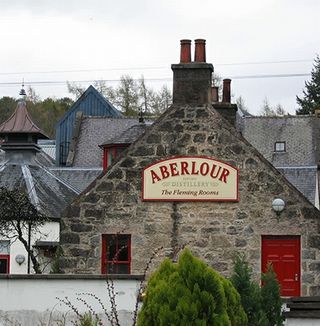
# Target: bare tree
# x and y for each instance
(75, 89)
(19, 218)
(270, 111)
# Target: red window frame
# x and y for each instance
(7, 258)
(115, 262)
(115, 153)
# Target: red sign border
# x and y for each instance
(189, 200)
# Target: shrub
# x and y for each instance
(262, 305)
(190, 293)
(271, 300)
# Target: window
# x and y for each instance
(111, 153)
(4, 257)
(116, 254)
(280, 146)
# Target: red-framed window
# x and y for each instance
(116, 254)
(4, 264)
(110, 153)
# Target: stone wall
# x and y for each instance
(214, 231)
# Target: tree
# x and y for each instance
(19, 218)
(270, 297)
(311, 95)
(268, 111)
(47, 112)
(190, 293)
(262, 305)
(127, 96)
(165, 100)
(147, 97)
(32, 96)
(249, 292)
(75, 89)
(242, 106)
(130, 96)
(7, 106)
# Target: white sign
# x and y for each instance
(190, 178)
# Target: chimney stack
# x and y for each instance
(192, 80)
(200, 50)
(225, 108)
(226, 92)
(185, 51)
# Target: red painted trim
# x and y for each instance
(7, 257)
(105, 159)
(237, 199)
(265, 238)
(103, 254)
(105, 261)
(112, 148)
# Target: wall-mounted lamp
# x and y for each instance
(20, 259)
(278, 205)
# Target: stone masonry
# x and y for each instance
(214, 231)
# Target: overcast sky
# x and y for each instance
(49, 42)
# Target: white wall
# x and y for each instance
(26, 299)
(302, 322)
(48, 232)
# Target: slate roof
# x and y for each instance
(95, 131)
(78, 178)
(304, 179)
(128, 136)
(46, 191)
(301, 134)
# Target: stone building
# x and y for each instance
(192, 179)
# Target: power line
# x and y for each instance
(60, 82)
(269, 76)
(149, 68)
(262, 62)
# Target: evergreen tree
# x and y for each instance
(190, 293)
(270, 295)
(249, 292)
(311, 95)
(262, 305)
(7, 107)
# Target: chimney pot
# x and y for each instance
(200, 50)
(185, 51)
(214, 94)
(226, 92)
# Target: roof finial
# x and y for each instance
(22, 91)
(141, 118)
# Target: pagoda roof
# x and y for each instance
(21, 122)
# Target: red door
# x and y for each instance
(284, 254)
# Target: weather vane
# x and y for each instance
(22, 91)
